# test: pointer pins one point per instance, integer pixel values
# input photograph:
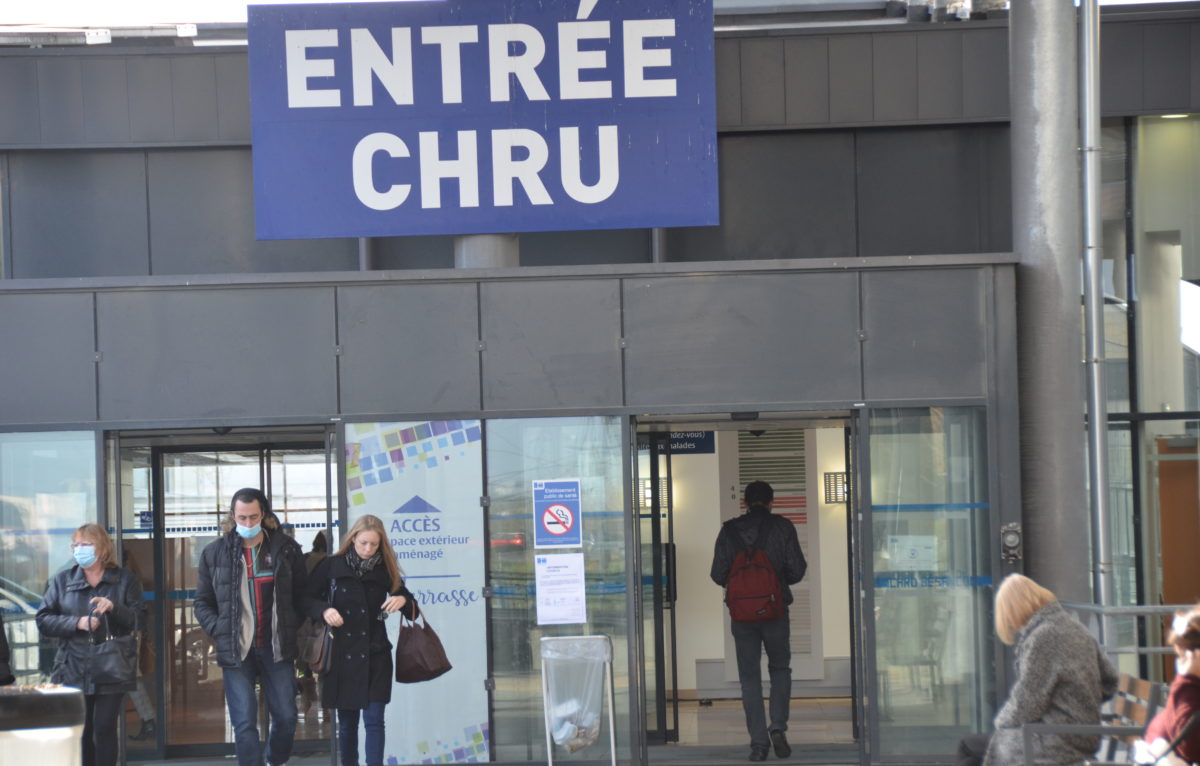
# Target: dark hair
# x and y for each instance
(250, 495)
(759, 493)
(319, 542)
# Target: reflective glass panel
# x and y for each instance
(932, 594)
(520, 452)
(47, 490)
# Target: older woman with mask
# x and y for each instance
(93, 600)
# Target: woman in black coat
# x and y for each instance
(81, 604)
(352, 591)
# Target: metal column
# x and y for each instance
(1043, 88)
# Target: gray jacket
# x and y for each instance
(1062, 677)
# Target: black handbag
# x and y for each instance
(420, 655)
(113, 659)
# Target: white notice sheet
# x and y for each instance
(560, 589)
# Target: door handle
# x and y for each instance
(672, 592)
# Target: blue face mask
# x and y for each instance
(249, 532)
(85, 555)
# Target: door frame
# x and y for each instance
(115, 442)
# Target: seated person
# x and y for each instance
(1184, 700)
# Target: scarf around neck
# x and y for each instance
(360, 565)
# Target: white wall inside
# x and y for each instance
(835, 573)
(702, 502)
(698, 616)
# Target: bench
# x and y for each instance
(1132, 708)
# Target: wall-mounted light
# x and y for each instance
(835, 487)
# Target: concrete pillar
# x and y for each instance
(487, 251)
(1047, 236)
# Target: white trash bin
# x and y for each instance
(575, 671)
(41, 725)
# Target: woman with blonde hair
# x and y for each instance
(92, 601)
(1062, 677)
(353, 590)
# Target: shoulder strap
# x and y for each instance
(1180, 737)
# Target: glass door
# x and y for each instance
(172, 502)
(926, 569)
(654, 505)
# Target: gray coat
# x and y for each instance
(1062, 677)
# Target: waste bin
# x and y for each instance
(41, 724)
(575, 672)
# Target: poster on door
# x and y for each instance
(556, 513)
(424, 480)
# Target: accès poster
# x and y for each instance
(424, 480)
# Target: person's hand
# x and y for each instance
(100, 605)
(87, 623)
(1188, 663)
(332, 617)
(394, 604)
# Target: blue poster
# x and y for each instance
(557, 514)
(466, 116)
(424, 481)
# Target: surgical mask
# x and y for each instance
(249, 532)
(85, 555)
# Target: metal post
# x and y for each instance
(1046, 235)
(1093, 301)
(366, 254)
(487, 251)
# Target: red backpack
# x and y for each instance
(753, 592)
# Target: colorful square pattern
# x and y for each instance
(377, 453)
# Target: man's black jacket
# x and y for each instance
(778, 541)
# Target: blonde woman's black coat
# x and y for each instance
(361, 671)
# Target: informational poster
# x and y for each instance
(424, 480)
(912, 553)
(560, 584)
(556, 514)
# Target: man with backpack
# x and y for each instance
(757, 557)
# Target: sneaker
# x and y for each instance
(758, 753)
(782, 748)
(146, 732)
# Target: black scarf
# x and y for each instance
(360, 565)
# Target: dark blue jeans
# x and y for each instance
(749, 639)
(278, 681)
(348, 734)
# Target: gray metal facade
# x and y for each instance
(765, 335)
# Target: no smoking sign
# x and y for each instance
(556, 508)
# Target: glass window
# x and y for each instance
(520, 452)
(1168, 263)
(47, 490)
(934, 646)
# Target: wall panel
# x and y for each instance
(925, 333)
(47, 372)
(217, 354)
(551, 344)
(741, 339)
(408, 348)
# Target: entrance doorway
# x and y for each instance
(689, 476)
(171, 493)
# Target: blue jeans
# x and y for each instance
(749, 638)
(278, 681)
(348, 734)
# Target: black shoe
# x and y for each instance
(782, 748)
(147, 731)
(758, 753)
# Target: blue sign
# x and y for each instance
(481, 116)
(556, 514)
